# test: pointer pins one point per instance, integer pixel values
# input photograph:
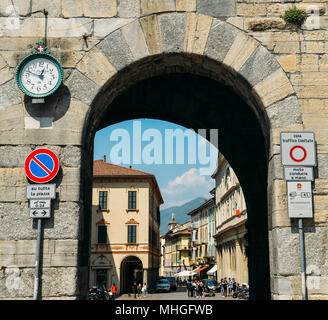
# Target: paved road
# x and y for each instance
(180, 294)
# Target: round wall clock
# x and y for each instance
(39, 74)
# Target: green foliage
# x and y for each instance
(295, 16)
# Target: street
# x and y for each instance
(180, 294)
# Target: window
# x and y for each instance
(132, 200)
(132, 234)
(102, 234)
(101, 278)
(103, 200)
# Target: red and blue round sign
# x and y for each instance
(41, 165)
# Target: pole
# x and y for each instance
(302, 255)
(37, 262)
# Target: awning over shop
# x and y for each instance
(213, 270)
(185, 273)
(200, 269)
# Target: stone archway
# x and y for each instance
(144, 48)
(131, 270)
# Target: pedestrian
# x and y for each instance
(225, 286)
(230, 283)
(200, 288)
(113, 290)
(194, 289)
(189, 288)
(144, 289)
(135, 289)
(234, 285)
(222, 287)
(139, 289)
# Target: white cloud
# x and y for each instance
(186, 187)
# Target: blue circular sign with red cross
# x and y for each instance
(41, 165)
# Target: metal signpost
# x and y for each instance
(298, 156)
(41, 166)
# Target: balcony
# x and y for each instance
(181, 248)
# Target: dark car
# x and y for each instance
(209, 285)
(173, 283)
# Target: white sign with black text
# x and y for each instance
(41, 191)
(298, 173)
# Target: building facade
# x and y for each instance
(231, 217)
(176, 248)
(203, 247)
(276, 68)
(125, 223)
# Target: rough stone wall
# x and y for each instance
(75, 28)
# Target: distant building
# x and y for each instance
(176, 248)
(203, 228)
(125, 227)
(231, 216)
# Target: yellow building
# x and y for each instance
(125, 227)
(231, 216)
(176, 248)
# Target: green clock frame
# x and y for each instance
(33, 56)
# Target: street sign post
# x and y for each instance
(298, 149)
(299, 195)
(298, 173)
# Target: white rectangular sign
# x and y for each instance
(297, 149)
(299, 195)
(298, 173)
(40, 204)
(41, 191)
(39, 213)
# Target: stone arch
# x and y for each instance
(193, 43)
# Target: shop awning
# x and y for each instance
(213, 270)
(185, 273)
(200, 269)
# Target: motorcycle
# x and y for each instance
(241, 292)
(96, 293)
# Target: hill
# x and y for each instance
(180, 213)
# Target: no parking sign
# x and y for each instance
(41, 165)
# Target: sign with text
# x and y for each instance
(299, 195)
(298, 173)
(297, 149)
(41, 191)
(40, 204)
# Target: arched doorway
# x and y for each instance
(131, 270)
(236, 86)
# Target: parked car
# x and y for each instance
(173, 283)
(209, 286)
(163, 285)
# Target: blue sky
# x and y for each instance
(179, 183)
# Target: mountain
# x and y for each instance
(180, 213)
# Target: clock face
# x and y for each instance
(40, 76)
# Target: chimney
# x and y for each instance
(130, 166)
(104, 158)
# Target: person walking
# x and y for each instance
(234, 285)
(230, 283)
(189, 288)
(200, 289)
(113, 290)
(194, 289)
(225, 286)
(222, 287)
(135, 289)
(139, 289)
(144, 289)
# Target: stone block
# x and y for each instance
(14, 156)
(63, 260)
(9, 94)
(315, 92)
(81, 87)
(66, 246)
(322, 166)
(240, 51)
(11, 117)
(259, 66)
(9, 8)
(5, 75)
(262, 24)
(135, 38)
(53, 7)
(71, 156)
(72, 8)
(196, 34)
(129, 8)
(154, 6)
(313, 47)
(152, 33)
(172, 27)
(99, 8)
(220, 39)
(96, 67)
(275, 169)
(323, 63)
(288, 62)
(287, 47)
(103, 27)
(186, 5)
(68, 28)
(117, 50)
(251, 10)
(217, 8)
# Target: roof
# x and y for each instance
(203, 205)
(103, 169)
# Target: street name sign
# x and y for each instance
(299, 196)
(41, 191)
(298, 149)
(40, 204)
(39, 213)
(298, 173)
(41, 165)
